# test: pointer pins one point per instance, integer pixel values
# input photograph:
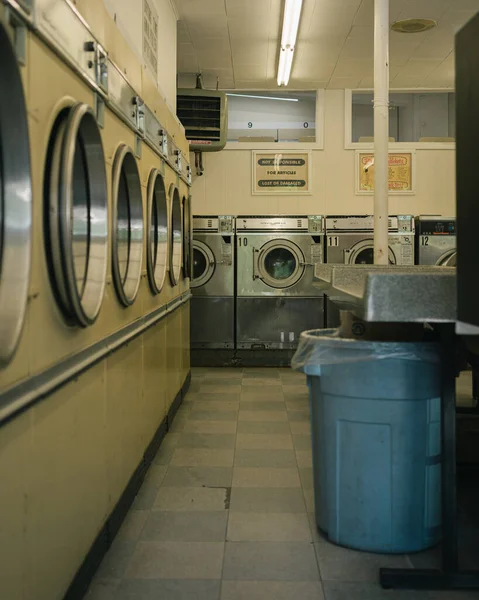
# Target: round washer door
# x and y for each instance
(176, 236)
(448, 259)
(77, 214)
(157, 231)
(15, 201)
(362, 253)
(186, 237)
(128, 226)
(279, 263)
(203, 264)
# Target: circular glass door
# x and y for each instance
(186, 237)
(279, 263)
(157, 231)
(77, 214)
(203, 264)
(362, 253)
(448, 259)
(176, 236)
(128, 227)
(15, 202)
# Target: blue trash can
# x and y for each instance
(376, 438)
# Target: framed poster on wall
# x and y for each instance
(285, 172)
(402, 172)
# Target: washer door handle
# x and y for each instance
(256, 264)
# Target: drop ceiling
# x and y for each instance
(235, 42)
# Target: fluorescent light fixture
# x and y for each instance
(284, 67)
(292, 13)
(264, 97)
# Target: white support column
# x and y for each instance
(381, 130)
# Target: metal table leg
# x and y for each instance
(448, 577)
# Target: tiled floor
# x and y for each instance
(226, 510)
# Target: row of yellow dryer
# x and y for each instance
(94, 181)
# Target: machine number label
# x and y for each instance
(243, 242)
(425, 240)
(333, 241)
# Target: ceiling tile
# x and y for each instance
(189, 8)
(343, 83)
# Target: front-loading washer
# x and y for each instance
(212, 321)
(276, 297)
(436, 241)
(350, 241)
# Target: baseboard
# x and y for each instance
(264, 358)
(104, 539)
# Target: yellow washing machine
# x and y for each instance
(15, 199)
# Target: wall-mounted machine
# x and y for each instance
(276, 298)
(212, 285)
(350, 241)
(436, 241)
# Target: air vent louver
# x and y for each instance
(204, 117)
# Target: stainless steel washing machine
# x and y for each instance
(350, 240)
(212, 285)
(436, 241)
(276, 298)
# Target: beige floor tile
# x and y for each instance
(264, 427)
(306, 475)
(218, 405)
(265, 458)
(304, 458)
(184, 526)
(265, 394)
(149, 488)
(259, 441)
(265, 477)
(366, 591)
(270, 562)
(302, 441)
(176, 560)
(198, 477)
(191, 498)
(309, 499)
(298, 415)
(224, 373)
(168, 589)
(210, 427)
(202, 457)
(217, 397)
(103, 590)
(207, 440)
(272, 590)
(262, 415)
(303, 427)
(213, 415)
(269, 527)
(342, 564)
(260, 381)
(220, 387)
(286, 500)
(132, 526)
(264, 391)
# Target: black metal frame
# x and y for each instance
(448, 576)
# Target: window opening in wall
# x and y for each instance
(413, 117)
(272, 116)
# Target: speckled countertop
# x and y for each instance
(394, 294)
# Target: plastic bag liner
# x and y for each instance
(320, 347)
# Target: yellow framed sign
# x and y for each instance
(285, 172)
(402, 172)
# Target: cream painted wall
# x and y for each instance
(225, 187)
(128, 15)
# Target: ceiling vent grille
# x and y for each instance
(203, 114)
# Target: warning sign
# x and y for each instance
(278, 172)
(150, 36)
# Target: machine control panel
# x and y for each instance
(399, 223)
(315, 224)
(312, 224)
(436, 227)
(223, 224)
